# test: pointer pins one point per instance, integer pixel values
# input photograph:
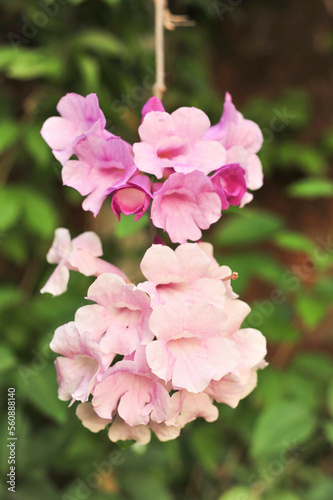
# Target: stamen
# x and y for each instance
(232, 276)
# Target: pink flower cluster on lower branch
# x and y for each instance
(155, 356)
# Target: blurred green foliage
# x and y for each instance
(275, 445)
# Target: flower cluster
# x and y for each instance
(156, 356)
(185, 170)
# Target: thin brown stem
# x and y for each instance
(159, 87)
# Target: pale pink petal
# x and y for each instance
(82, 261)
(251, 344)
(196, 364)
(57, 282)
(246, 199)
(245, 133)
(105, 267)
(147, 161)
(192, 262)
(93, 318)
(82, 111)
(160, 265)
(136, 397)
(205, 156)
(75, 174)
(85, 412)
(61, 246)
(165, 432)
(236, 311)
(185, 205)
(155, 125)
(190, 123)
(192, 406)
(254, 172)
(89, 242)
(58, 132)
(159, 359)
(120, 431)
(76, 377)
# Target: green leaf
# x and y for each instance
(311, 188)
(39, 213)
(284, 495)
(14, 248)
(317, 366)
(9, 133)
(7, 358)
(291, 240)
(99, 41)
(127, 225)
(36, 146)
(330, 398)
(6, 55)
(282, 427)
(239, 493)
(10, 296)
(248, 227)
(204, 438)
(28, 64)
(321, 489)
(311, 310)
(306, 158)
(275, 321)
(90, 70)
(38, 383)
(328, 430)
(10, 208)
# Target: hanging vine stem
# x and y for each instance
(159, 87)
(164, 19)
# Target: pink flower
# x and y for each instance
(233, 387)
(119, 319)
(187, 406)
(102, 166)
(175, 141)
(132, 198)
(121, 431)
(184, 274)
(81, 365)
(229, 183)
(190, 350)
(79, 116)
(185, 204)
(90, 419)
(80, 254)
(129, 388)
(242, 139)
(153, 104)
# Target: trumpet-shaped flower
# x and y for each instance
(79, 116)
(183, 274)
(190, 349)
(242, 139)
(185, 204)
(229, 183)
(132, 198)
(80, 254)
(233, 387)
(81, 364)
(130, 388)
(102, 166)
(175, 141)
(119, 319)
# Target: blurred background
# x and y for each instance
(276, 59)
